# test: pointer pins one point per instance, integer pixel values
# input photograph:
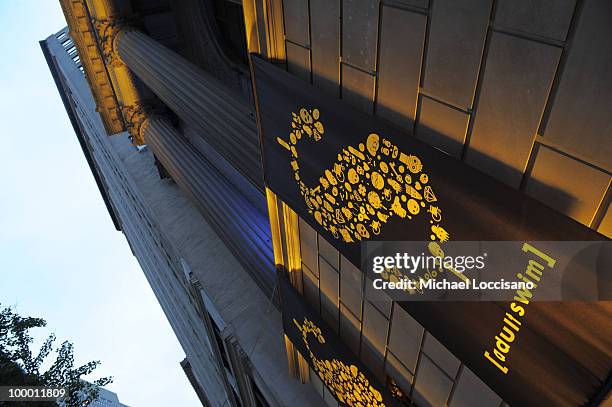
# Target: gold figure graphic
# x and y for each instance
(350, 385)
(366, 185)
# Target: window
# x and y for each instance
(220, 343)
(238, 400)
(260, 400)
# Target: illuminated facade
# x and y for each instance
(517, 90)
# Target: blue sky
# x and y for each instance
(60, 256)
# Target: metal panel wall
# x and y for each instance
(580, 121)
(510, 104)
(456, 40)
(360, 33)
(399, 70)
(325, 26)
(488, 82)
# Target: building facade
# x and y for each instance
(107, 398)
(227, 326)
(171, 104)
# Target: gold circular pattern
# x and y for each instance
(373, 144)
(377, 180)
(413, 206)
(414, 164)
(319, 127)
(374, 199)
(353, 177)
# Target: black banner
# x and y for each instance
(355, 177)
(344, 375)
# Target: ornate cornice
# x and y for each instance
(136, 116)
(107, 31)
(84, 37)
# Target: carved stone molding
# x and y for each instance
(83, 33)
(107, 31)
(136, 116)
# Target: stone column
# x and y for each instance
(243, 228)
(224, 121)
